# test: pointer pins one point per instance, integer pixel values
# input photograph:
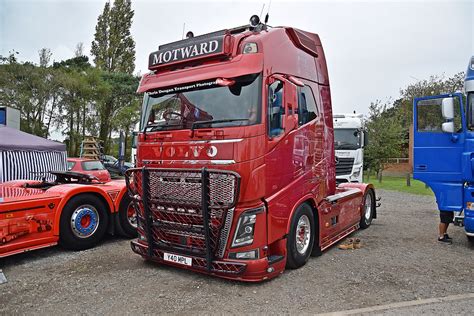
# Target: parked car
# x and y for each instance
(112, 165)
(89, 166)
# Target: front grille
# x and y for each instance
(185, 211)
(344, 166)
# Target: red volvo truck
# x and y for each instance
(235, 168)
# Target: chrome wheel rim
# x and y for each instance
(303, 234)
(368, 207)
(84, 221)
(132, 215)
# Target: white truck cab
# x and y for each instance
(349, 142)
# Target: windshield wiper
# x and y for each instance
(215, 121)
(154, 127)
(345, 145)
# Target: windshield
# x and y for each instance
(92, 165)
(347, 138)
(205, 102)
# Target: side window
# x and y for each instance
(307, 109)
(276, 109)
(430, 116)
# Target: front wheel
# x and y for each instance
(83, 222)
(128, 217)
(368, 209)
(300, 239)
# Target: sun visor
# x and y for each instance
(239, 66)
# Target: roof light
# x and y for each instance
(254, 20)
(224, 82)
(250, 48)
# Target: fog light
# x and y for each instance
(250, 48)
(270, 270)
(246, 255)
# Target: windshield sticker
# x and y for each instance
(177, 89)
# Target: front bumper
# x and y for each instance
(242, 270)
(469, 222)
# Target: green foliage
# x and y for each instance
(113, 47)
(385, 134)
(70, 96)
(389, 124)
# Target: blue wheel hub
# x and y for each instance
(84, 221)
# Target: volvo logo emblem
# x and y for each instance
(337, 160)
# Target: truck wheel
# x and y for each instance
(300, 239)
(368, 209)
(128, 217)
(83, 222)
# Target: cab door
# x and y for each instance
(439, 140)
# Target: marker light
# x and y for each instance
(250, 48)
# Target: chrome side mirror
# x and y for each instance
(447, 108)
(447, 127)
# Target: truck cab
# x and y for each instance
(349, 141)
(235, 168)
(444, 149)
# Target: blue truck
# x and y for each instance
(443, 150)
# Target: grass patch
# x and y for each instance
(399, 184)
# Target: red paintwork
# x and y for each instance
(298, 167)
(102, 175)
(29, 218)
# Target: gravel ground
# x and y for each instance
(400, 261)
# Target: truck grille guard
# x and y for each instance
(185, 211)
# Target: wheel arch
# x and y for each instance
(364, 187)
(101, 195)
(308, 199)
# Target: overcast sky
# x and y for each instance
(373, 48)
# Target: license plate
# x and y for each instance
(177, 259)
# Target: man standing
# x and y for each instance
(445, 219)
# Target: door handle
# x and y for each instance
(421, 167)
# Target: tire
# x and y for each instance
(299, 248)
(83, 222)
(368, 209)
(127, 223)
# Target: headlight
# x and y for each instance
(356, 173)
(245, 227)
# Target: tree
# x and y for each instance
(386, 135)
(113, 47)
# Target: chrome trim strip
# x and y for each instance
(190, 162)
(335, 197)
(197, 162)
(213, 141)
